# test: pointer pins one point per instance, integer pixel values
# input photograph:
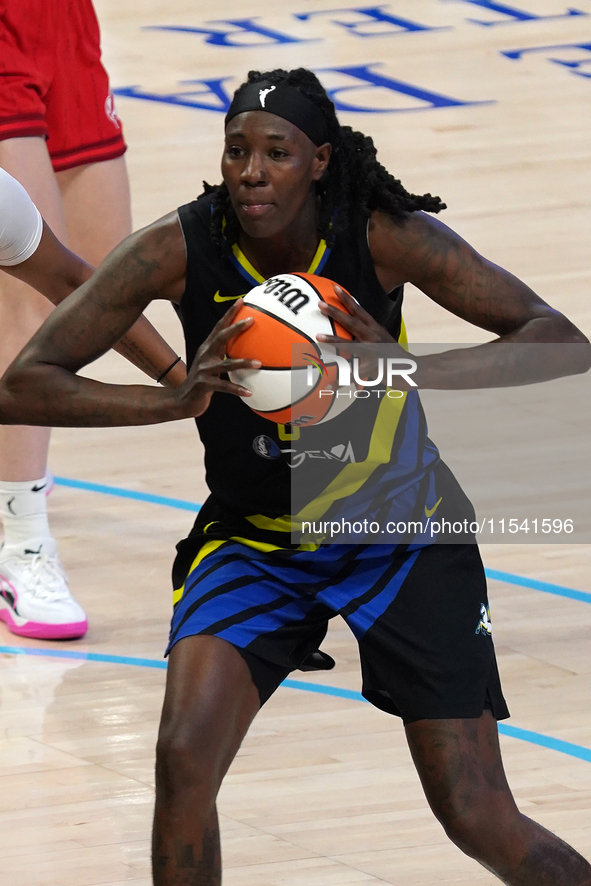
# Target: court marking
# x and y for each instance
(537, 738)
(182, 504)
(535, 585)
(179, 503)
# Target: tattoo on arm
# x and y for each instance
(97, 316)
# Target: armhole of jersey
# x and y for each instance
(178, 215)
(396, 288)
(184, 233)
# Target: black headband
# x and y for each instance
(284, 101)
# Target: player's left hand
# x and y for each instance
(355, 320)
(365, 331)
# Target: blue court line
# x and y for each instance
(83, 656)
(179, 503)
(536, 585)
(508, 577)
(544, 741)
(324, 690)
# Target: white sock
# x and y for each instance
(23, 511)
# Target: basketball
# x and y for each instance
(297, 386)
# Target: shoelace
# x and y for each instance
(48, 578)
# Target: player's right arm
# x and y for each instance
(30, 251)
(42, 386)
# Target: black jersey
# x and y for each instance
(247, 456)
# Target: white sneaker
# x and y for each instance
(35, 599)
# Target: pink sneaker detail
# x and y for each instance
(39, 631)
(35, 600)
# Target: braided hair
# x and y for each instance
(354, 178)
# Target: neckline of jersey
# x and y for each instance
(250, 273)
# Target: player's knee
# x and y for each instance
(466, 831)
(186, 761)
(467, 823)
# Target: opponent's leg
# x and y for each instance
(97, 207)
(209, 704)
(35, 599)
(459, 764)
(22, 310)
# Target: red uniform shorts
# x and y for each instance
(52, 82)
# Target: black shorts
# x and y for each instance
(419, 613)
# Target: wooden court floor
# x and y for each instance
(323, 790)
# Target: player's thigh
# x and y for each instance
(28, 161)
(209, 703)
(97, 207)
(425, 636)
(22, 310)
(253, 599)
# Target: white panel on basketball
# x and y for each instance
(340, 401)
(274, 388)
(299, 382)
(299, 308)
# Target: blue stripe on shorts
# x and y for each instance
(242, 594)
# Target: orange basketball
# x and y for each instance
(298, 381)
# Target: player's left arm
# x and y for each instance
(55, 272)
(423, 251)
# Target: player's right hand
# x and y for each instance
(204, 376)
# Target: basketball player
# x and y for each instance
(61, 139)
(34, 598)
(301, 191)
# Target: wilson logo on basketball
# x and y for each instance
(288, 294)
